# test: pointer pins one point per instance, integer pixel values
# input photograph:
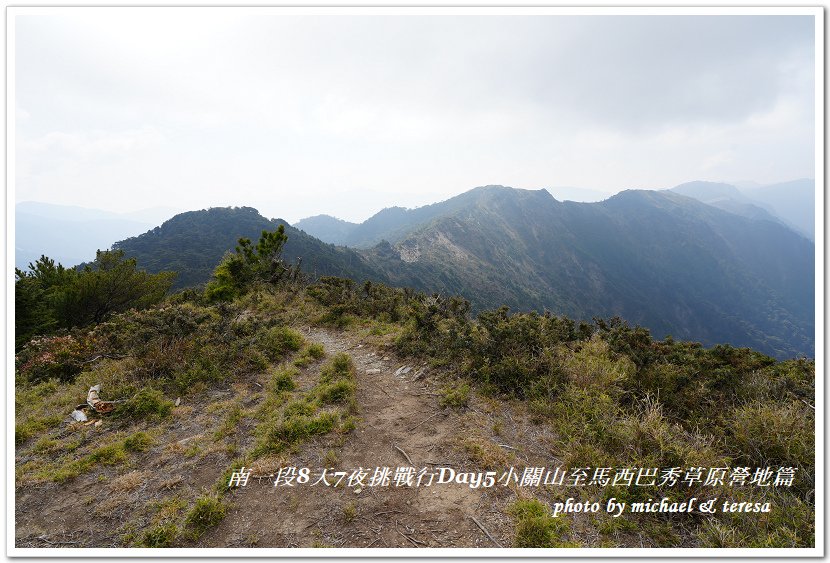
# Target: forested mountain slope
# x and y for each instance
(192, 244)
(665, 261)
(659, 259)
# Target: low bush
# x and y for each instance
(535, 527)
(340, 366)
(338, 392)
(283, 380)
(280, 341)
(309, 354)
(455, 396)
(205, 514)
(138, 442)
(161, 535)
(146, 404)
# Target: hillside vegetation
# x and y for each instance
(657, 259)
(193, 243)
(264, 369)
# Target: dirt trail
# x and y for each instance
(397, 414)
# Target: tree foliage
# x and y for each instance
(36, 294)
(193, 243)
(112, 284)
(49, 296)
(249, 265)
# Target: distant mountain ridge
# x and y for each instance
(327, 228)
(659, 259)
(392, 224)
(789, 203)
(656, 258)
(194, 242)
(794, 202)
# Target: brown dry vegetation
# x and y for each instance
(306, 378)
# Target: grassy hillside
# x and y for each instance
(658, 259)
(344, 375)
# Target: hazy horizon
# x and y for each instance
(560, 193)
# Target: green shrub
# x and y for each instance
(293, 429)
(283, 380)
(340, 366)
(334, 292)
(592, 365)
(202, 371)
(250, 266)
(281, 340)
(299, 408)
(205, 514)
(110, 454)
(534, 525)
(300, 427)
(32, 426)
(161, 535)
(309, 354)
(138, 442)
(515, 354)
(338, 392)
(336, 318)
(455, 397)
(147, 403)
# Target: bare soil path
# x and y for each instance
(401, 423)
(399, 416)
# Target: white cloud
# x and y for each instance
(192, 108)
(90, 145)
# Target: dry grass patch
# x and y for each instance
(171, 483)
(183, 411)
(111, 503)
(128, 482)
(267, 465)
(168, 509)
(485, 454)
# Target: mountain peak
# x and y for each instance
(708, 192)
(497, 188)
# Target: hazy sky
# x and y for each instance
(123, 109)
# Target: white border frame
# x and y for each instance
(817, 551)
